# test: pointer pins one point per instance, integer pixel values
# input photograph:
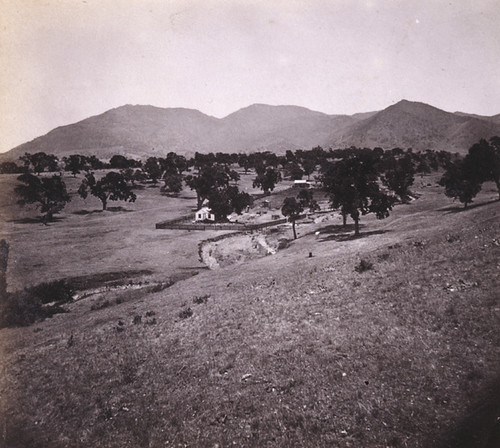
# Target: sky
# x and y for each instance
(62, 61)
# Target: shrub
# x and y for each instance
(201, 299)
(25, 307)
(160, 286)
(364, 265)
(100, 305)
(383, 257)
(56, 291)
(184, 314)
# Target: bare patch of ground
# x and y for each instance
(240, 248)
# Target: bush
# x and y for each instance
(57, 291)
(184, 314)
(201, 299)
(364, 265)
(100, 305)
(25, 307)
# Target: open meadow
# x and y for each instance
(390, 339)
(86, 243)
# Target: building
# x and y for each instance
(302, 184)
(204, 214)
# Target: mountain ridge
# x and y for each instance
(141, 131)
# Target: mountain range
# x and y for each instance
(141, 131)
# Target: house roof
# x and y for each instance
(204, 210)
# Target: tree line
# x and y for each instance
(358, 180)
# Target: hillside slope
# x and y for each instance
(283, 351)
(418, 126)
(135, 131)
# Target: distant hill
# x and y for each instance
(418, 126)
(143, 131)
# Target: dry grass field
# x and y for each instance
(284, 350)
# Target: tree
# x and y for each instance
(173, 183)
(173, 163)
(210, 178)
(306, 198)
(75, 163)
(267, 180)
(308, 166)
(153, 169)
(399, 176)
(49, 193)
(244, 162)
(290, 156)
(39, 162)
(201, 160)
(293, 207)
(121, 162)
(95, 163)
(460, 182)
(10, 168)
(483, 161)
(423, 167)
(353, 186)
(133, 176)
(239, 200)
(220, 204)
(112, 187)
(293, 171)
(225, 201)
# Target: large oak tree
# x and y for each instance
(48, 193)
(112, 187)
(354, 188)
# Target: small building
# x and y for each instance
(302, 184)
(204, 214)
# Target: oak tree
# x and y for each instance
(267, 179)
(112, 187)
(209, 179)
(354, 188)
(48, 193)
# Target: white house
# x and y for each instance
(302, 184)
(204, 214)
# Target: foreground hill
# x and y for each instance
(142, 131)
(285, 350)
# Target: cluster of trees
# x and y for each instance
(215, 184)
(77, 163)
(360, 181)
(50, 194)
(41, 162)
(354, 185)
(463, 178)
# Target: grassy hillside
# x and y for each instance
(282, 351)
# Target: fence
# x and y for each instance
(181, 224)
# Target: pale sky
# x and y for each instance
(64, 60)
